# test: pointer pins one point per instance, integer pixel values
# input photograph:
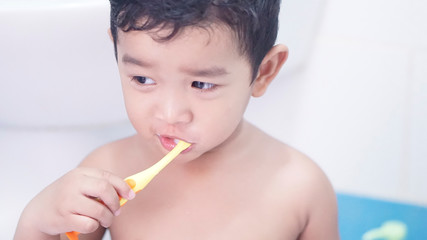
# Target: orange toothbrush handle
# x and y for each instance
(72, 235)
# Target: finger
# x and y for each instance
(103, 190)
(122, 188)
(83, 224)
(118, 183)
(95, 210)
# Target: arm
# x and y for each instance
(321, 204)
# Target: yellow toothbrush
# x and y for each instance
(138, 181)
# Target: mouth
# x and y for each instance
(169, 142)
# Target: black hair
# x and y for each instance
(254, 22)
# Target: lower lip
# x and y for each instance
(169, 144)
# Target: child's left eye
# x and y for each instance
(203, 85)
(143, 80)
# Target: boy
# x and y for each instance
(188, 70)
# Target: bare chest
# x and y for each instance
(207, 214)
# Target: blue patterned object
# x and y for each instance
(357, 215)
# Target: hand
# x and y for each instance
(81, 200)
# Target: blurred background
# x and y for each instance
(353, 95)
(359, 106)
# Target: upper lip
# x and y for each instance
(173, 137)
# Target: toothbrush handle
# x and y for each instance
(72, 235)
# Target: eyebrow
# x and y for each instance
(213, 71)
(127, 59)
(206, 72)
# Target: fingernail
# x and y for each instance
(131, 195)
(117, 213)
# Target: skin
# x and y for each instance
(236, 182)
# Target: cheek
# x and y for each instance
(134, 113)
(221, 119)
(129, 100)
(136, 108)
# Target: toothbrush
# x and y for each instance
(138, 181)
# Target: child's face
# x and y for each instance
(194, 87)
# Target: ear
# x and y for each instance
(269, 68)
(110, 34)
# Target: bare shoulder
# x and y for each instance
(300, 170)
(111, 156)
(301, 183)
(314, 194)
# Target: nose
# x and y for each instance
(173, 108)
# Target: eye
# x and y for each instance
(203, 85)
(143, 80)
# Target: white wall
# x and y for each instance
(359, 109)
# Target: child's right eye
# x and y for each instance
(143, 80)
